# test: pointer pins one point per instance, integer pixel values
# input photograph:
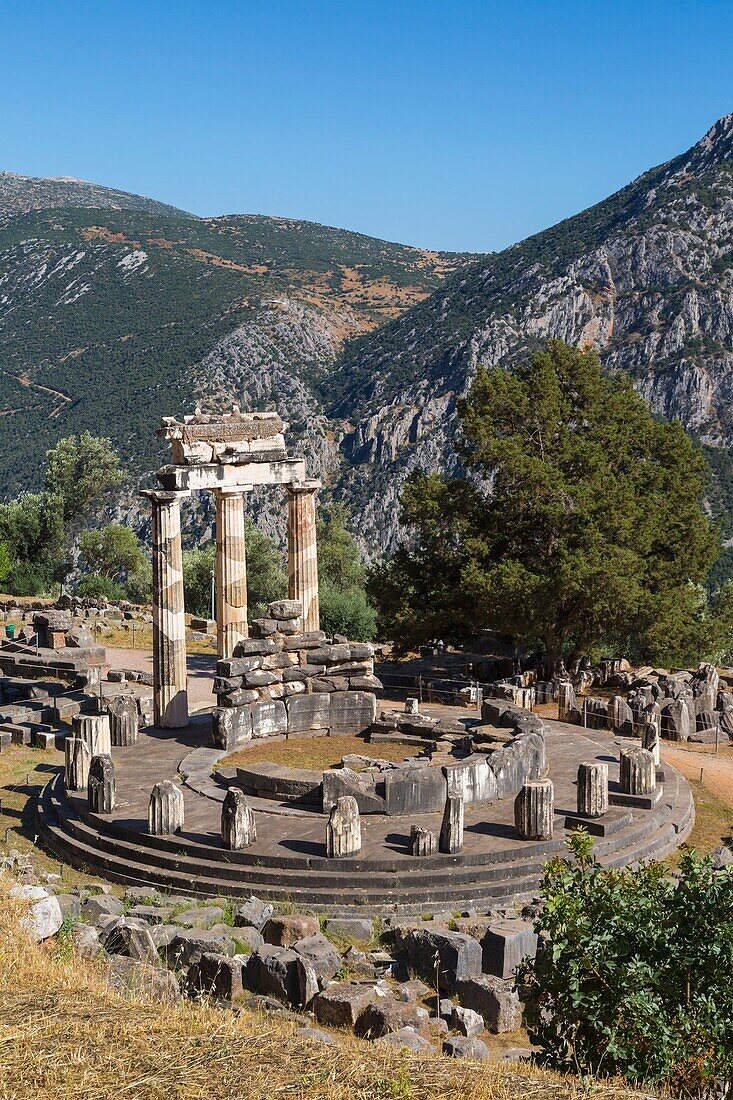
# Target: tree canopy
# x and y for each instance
(266, 579)
(345, 606)
(80, 472)
(580, 521)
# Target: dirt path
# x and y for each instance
(201, 670)
(717, 769)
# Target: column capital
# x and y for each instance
(232, 490)
(164, 496)
(310, 485)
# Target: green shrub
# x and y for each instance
(637, 977)
(347, 611)
(28, 578)
(97, 588)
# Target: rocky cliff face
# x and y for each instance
(113, 316)
(646, 277)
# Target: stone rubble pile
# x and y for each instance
(680, 706)
(442, 982)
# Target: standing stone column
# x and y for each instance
(451, 830)
(638, 774)
(566, 701)
(101, 792)
(77, 759)
(231, 571)
(170, 693)
(534, 810)
(423, 842)
(343, 832)
(593, 789)
(650, 741)
(302, 551)
(165, 809)
(122, 712)
(94, 730)
(237, 821)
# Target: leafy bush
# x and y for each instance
(347, 611)
(636, 978)
(29, 579)
(98, 587)
(345, 605)
(198, 566)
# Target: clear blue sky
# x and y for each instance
(455, 125)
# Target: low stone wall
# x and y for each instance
(283, 682)
(414, 787)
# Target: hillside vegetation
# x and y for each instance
(107, 317)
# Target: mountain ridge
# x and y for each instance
(363, 345)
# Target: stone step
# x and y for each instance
(458, 868)
(134, 864)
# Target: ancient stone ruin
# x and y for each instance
(228, 455)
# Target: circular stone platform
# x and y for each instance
(288, 861)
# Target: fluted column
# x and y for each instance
(170, 693)
(231, 571)
(592, 789)
(302, 551)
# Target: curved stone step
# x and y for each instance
(201, 870)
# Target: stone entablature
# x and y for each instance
(282, 681)
(228, 454)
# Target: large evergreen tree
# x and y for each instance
(580, 520)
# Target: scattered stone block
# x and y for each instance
(411, 991)
(43, 918)
(443, 958)
(187, 947)
(100, 907)
(406, 1038)
(467, 1022)
(278, 972)
(220, 976)
(85, 941)
(145, 982)
(290, 928)
(414, 790)
(315, 1035)
(386, 1015)
(458, 1046)
(340, 1004)
(359, 929)
(505, 944)
(494, 999)
(134, 940)
(204, 916)
(321, 954)
(252, 913)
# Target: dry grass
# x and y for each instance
(64, 1035)
(141, 638)
(318, 753)
(23, 772)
